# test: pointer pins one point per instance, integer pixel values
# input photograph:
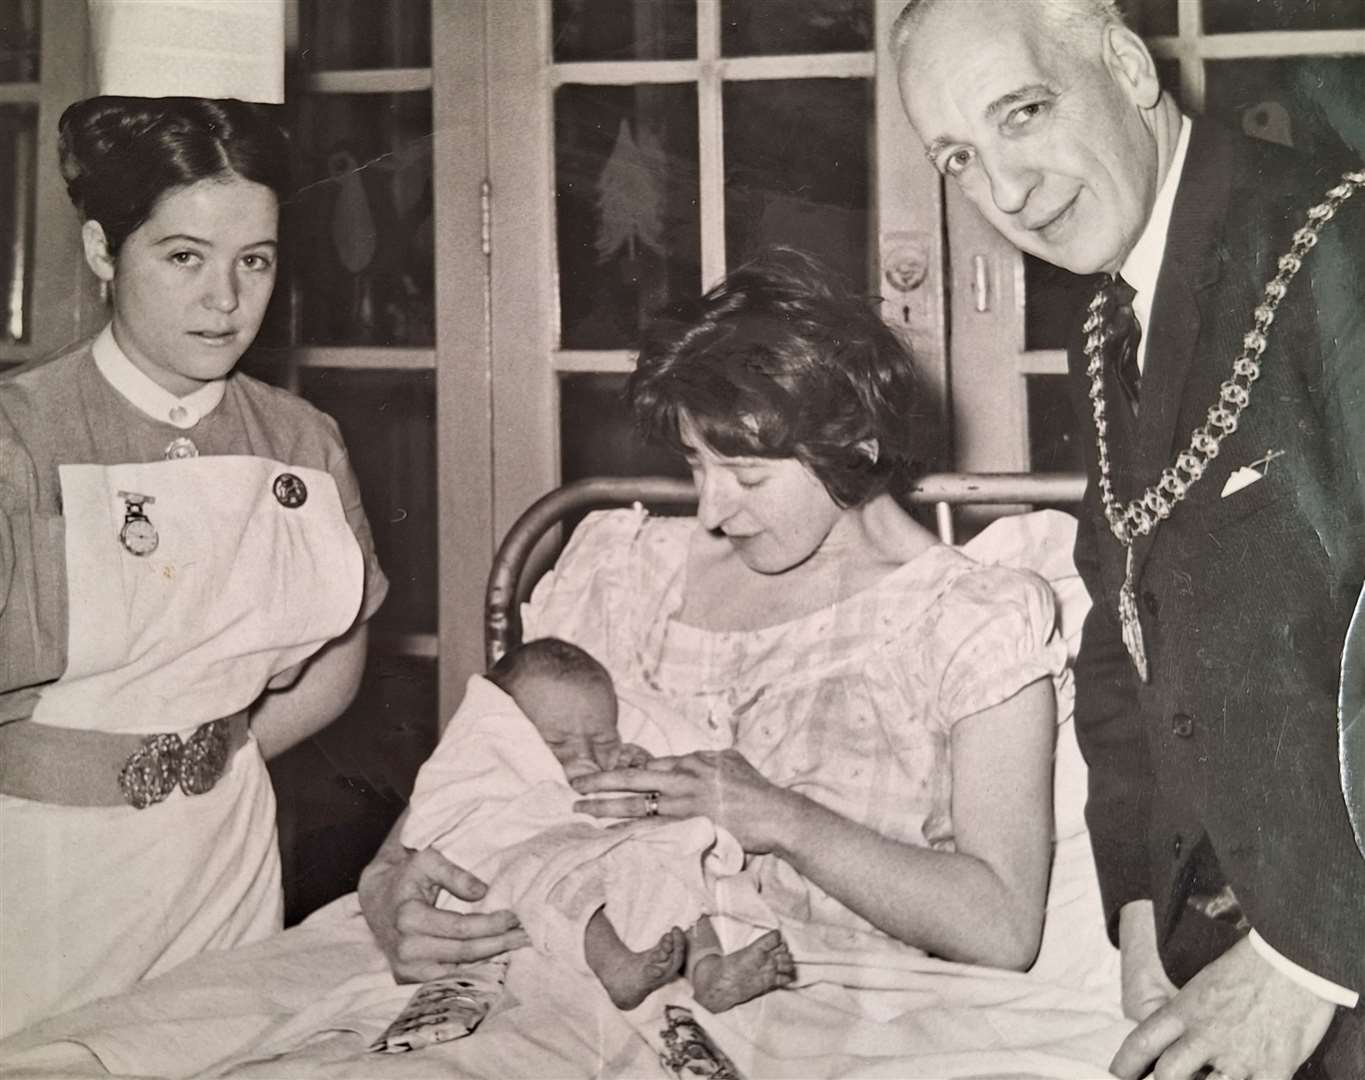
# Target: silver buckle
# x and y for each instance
(164, 762)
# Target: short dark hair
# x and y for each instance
(783, 360)
(550, 656)
(121, 155)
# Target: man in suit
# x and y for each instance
(1209, 665)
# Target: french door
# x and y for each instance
(638, 148)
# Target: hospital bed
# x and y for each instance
(308, 1002)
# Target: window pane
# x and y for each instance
(342, 35)
(1055, 299)
(20, 22)
(763, 28)
(1151, 18)
(388, 420)
(624, 30)
(1236, 16)
(361, 231)
(1309, 102)
(797, 170)
(340, 791)
(597, 436)
(18, 136)
(1054, 429)
(626, 196)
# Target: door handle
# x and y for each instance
(981, 284)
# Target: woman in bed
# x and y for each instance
(185, 571)
(871, 713)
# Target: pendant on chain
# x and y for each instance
(1129, 622)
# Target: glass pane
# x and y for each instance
(1055, 299)
(1151, 18)
(798, 169)
(763, 28)
(388, 420)
(18, 136)
(342, 35)
(1309, 102)
(361, 232)
(1054, 429)
(1168, 71)
(626, 191)
(341, 790)
(20, 27)
(624, 30)
(598, 437)
(1235, 16)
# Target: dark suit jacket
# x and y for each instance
(1223, 769)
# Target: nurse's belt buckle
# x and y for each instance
(138, 535)
(154, 770)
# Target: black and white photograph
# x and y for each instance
(682, 539)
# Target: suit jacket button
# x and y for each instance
(1177, 845)
(1182, 725)
(1149, 602)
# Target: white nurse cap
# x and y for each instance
(189, 48)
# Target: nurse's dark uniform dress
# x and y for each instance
(162, 560)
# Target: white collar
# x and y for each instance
(144, 393)
(1143, 264)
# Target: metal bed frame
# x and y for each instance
(502, 620)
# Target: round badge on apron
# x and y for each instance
(290, 491)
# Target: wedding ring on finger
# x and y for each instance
(652, 803)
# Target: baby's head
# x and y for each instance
(569, 698)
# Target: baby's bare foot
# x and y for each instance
(630, 977)
(722, 981)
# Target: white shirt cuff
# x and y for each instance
(1324, 988)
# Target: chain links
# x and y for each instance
(1154, 505)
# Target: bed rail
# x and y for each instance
(502, 621)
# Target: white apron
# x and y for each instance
(240, 587)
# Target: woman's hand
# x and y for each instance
(720, 785)
(398, 892)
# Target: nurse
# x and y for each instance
(185, 570)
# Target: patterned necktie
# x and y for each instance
(1122, 350)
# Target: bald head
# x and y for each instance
(1047, 113)
(1078, 16)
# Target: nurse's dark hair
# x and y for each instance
(551, 657)
(121, 155)
(783, 360)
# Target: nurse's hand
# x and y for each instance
(718, 784)
(398, 892)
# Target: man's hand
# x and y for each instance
(398, 892)
(1239, 1015)
(1145, 985)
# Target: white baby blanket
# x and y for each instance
(493, 799)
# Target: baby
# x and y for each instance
(570, 700)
